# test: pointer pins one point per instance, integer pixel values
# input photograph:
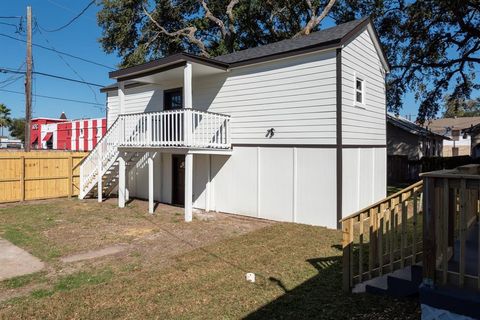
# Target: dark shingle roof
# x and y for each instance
(321, 38)
(411, 127)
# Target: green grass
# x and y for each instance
(22, 281)
(298, 272)
(23, 226)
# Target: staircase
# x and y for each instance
(400, 283)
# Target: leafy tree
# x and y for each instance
(461, 108)
(4, 116)
(433, 47)
(141, 30)
(17, 128)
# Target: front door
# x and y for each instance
(178, 179)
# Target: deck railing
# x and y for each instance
(383, 237)
(176, 128)
(451, 237)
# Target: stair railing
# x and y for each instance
(383, 237)
(100, 158)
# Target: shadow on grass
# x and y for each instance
(321, 297)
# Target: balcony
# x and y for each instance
(182, 128)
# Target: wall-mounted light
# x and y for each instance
(270, 133)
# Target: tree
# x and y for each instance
(4, 116)
(461, 108)
(17, 128)
(433, 47)
(139, 33)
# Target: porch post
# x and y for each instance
(121, 181)
(208, 186)
(121, 96)
(188, 186)
(150, 183)
(187, 85)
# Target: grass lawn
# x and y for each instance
(171, 269)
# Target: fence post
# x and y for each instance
(22, 178)
(429, 245)
(347, 242)
(70, 175)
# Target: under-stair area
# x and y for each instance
(422, 242)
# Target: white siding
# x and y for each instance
(363, 125)
(296, 96)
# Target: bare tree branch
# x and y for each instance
(211, 17)
(314, 18)
(188, 32)
(231, 18)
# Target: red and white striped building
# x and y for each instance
(62, 134)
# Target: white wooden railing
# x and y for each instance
(176, 128)
(188, 128)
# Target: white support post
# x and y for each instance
(82, 183)
(121, 96)
(150, 183)
(188, 104)
(188, 186)
(121, 182)
(99, 176)
(187, 85)
(208, 186)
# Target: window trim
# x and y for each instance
(360, 77)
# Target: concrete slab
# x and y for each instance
(15, 261)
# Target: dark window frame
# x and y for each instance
(167, 94)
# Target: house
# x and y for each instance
(473, 133)
(405, 138)
(407, 143)
(63, 134)
(289, 131)
(459, 143)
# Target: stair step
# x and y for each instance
(400, 283)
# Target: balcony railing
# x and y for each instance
(176, 128)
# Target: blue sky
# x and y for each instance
(80, 39)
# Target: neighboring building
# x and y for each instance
(459, 143)
(9, 143)
(42, 132)
(63, 134)
(473, 134)
(405, 138)
(289, 131)
(407, 143)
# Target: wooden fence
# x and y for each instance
(383, 237)
(39, 175)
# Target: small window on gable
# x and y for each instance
(359, 91)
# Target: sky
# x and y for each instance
(80, 39)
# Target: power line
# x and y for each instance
(6, 70)
(73, 19)
(59, 52)
(70, 67)
(68, 9)
(54, 98)
(10, 17)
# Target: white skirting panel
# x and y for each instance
(277, 183)
(364, 178)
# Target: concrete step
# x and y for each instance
(400, 283)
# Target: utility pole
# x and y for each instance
(28, 81)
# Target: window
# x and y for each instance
(173, 99)
(359, 91)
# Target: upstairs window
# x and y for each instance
(173, 99)
(359, 91)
